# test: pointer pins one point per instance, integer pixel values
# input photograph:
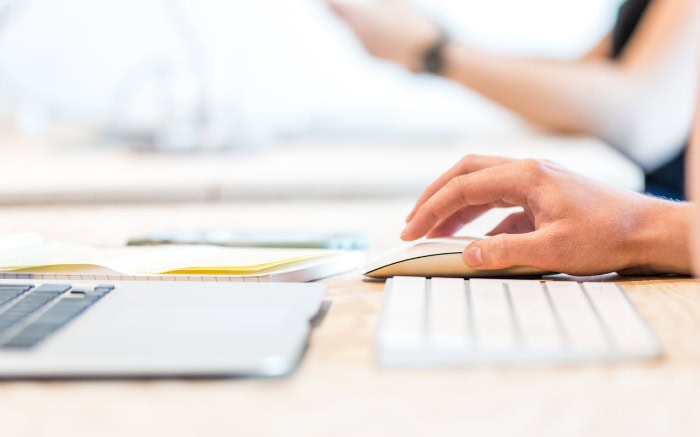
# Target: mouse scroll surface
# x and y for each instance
(436, 257)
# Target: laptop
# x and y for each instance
(97, 329)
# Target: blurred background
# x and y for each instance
(240, 74)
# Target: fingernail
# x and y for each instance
(472, 256)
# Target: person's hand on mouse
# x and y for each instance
(569, 223)
(390, 29)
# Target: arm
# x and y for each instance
(599, 51)
(625, 102)
(569, 223)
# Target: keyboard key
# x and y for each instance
(14, 287)
(8, 296)
(629, 334)
(27, 306)
(582, 329)
(52, 288)
(537, 327)
(104, 288)
(404, 313)
(50, 321)
(11, 292)
(448, 315)
(493, 322)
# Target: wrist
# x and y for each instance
(660, 238)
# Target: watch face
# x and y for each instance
(433, 58)
(433, 63)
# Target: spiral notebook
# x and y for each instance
(26, 256)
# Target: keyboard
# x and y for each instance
(29, 313)
(453, 321)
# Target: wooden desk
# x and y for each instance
(62, 170)
(338, 389)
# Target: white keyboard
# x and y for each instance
(452, 321)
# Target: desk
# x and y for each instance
(338, 389)
(62, 170)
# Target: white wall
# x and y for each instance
(264, 67)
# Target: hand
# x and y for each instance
(569, 223)
(390, 29)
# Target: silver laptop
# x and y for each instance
(57, 329)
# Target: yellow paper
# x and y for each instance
(153, 260)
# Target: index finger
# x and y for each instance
(466, 165)
(509, 183)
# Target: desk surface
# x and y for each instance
(62, 170)
(338, 389)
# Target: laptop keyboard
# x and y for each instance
(452, 321)
(30, 313)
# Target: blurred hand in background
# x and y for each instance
(390, 29)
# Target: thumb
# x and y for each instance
(506, 250)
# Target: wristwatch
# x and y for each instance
(433, 58)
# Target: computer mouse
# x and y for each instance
(437, 257)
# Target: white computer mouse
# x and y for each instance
(436, 257)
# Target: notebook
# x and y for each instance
(27, 256)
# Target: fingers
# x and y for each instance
(508, 250)
(455, 222)
(511, 183)
(468, 164)
(516, 223)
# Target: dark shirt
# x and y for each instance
(668, 180)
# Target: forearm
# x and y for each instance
(641, 103)
(626, 106)
(660, 238)
(570, 96)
